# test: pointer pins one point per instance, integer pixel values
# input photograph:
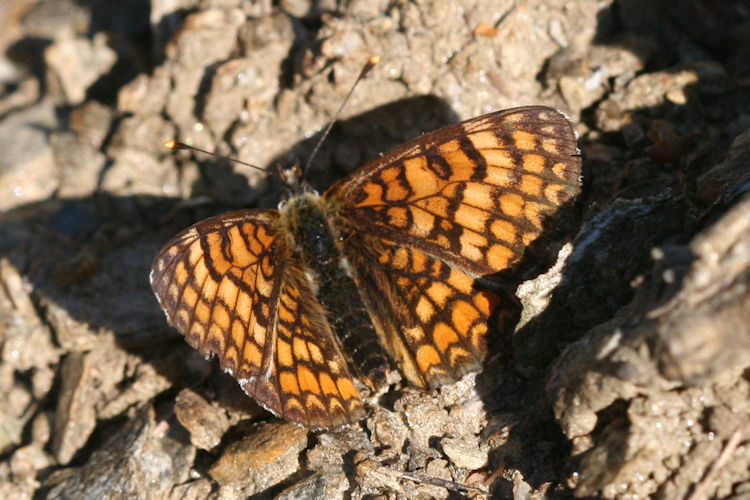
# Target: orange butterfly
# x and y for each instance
(381, 269)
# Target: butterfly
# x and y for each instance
(384, 269)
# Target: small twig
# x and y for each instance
(491, 479)
(433, 481)
(701, 490)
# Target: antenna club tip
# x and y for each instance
(172, 144)
(371, 62)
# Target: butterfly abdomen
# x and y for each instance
(319, 254)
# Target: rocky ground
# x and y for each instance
(630, 373)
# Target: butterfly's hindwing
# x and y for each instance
(432, 316)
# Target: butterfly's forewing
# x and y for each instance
(216, 281)
(475, 194)
(426, 219)
(232, 287)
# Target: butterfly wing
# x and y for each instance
(474, 194)
(431, 317)
(231, 286)
(424, 221)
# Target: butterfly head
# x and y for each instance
(294, 180)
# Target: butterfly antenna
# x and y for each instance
(177, 145)
(365, 69)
